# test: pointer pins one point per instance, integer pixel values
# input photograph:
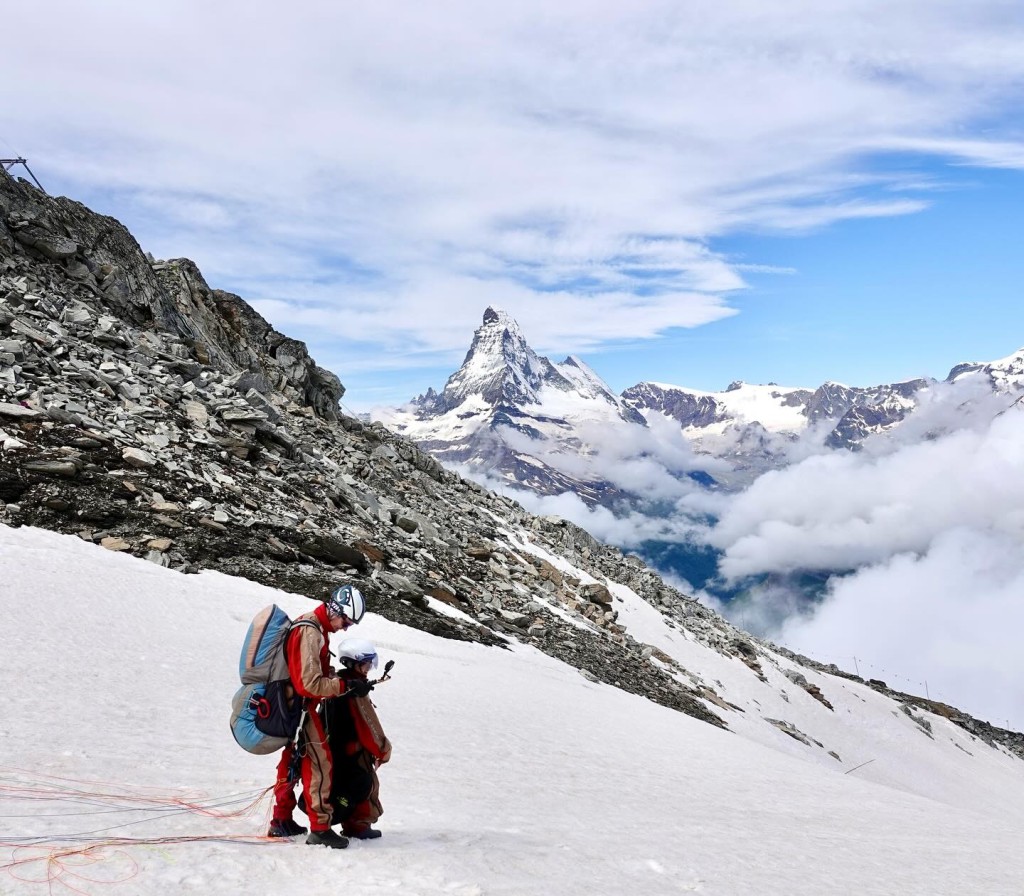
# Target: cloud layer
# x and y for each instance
(932, 526)
(359, 167)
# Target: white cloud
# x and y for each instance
(626, 529)
(945, 622)
(381, 171)
(932, 522)
(407, 319)
(845, 510)
(650, 462)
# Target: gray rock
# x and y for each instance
(520, 620)
(136, 457)
(242, 415)
(19, 326)
(332, 550)
(49, 244)
(65, 468)
(596, 593)
(196, 412)
(16, 410)
(399, 583)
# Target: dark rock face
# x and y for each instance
(859, 413)
(854, 413)
(687, 409)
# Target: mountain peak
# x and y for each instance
(500, 366)
(503, 372)
(496, 316)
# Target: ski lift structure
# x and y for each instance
(8, 164)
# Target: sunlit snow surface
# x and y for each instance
(512, 774)
(750, 402)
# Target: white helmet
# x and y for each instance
(354, 651)
(348, 601)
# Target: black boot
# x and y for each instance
(361, 832)
(327, 838)
(285, 828)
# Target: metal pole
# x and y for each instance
(30, 174)
(855, 666)
(10, 163)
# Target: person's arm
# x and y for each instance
(304, 667)
(369, 731)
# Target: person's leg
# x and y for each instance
(366, 807)
(316, 785)
(352, 786)
(316, 775)
(281, 824)
(284, 790)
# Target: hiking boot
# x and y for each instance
(327, 838)
(285, 827)
(361, 832)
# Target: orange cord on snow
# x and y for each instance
(59, 866)
(57, 860)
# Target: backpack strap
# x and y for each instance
(299, 623)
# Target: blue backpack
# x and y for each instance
(265, 711)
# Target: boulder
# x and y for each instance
(596, 593)
(332, 550)
(136, 457)
(51, 245)
(16, 410)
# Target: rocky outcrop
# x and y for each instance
(126, 288)
(686, 408)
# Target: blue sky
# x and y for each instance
(621, 178)
(864, 301)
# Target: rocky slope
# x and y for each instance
(147, 413)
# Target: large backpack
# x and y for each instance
(265, 711)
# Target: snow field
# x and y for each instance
(511, 774)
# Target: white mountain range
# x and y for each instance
(511, 414)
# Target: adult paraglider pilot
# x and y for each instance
(313, 679)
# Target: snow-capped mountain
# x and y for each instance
(754, 427)
(509, 412)
(502, 370)
(1005, 375)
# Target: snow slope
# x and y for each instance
(512, 773)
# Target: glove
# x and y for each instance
(359, 688)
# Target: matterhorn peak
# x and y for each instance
(496, 316)
(500, 366)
